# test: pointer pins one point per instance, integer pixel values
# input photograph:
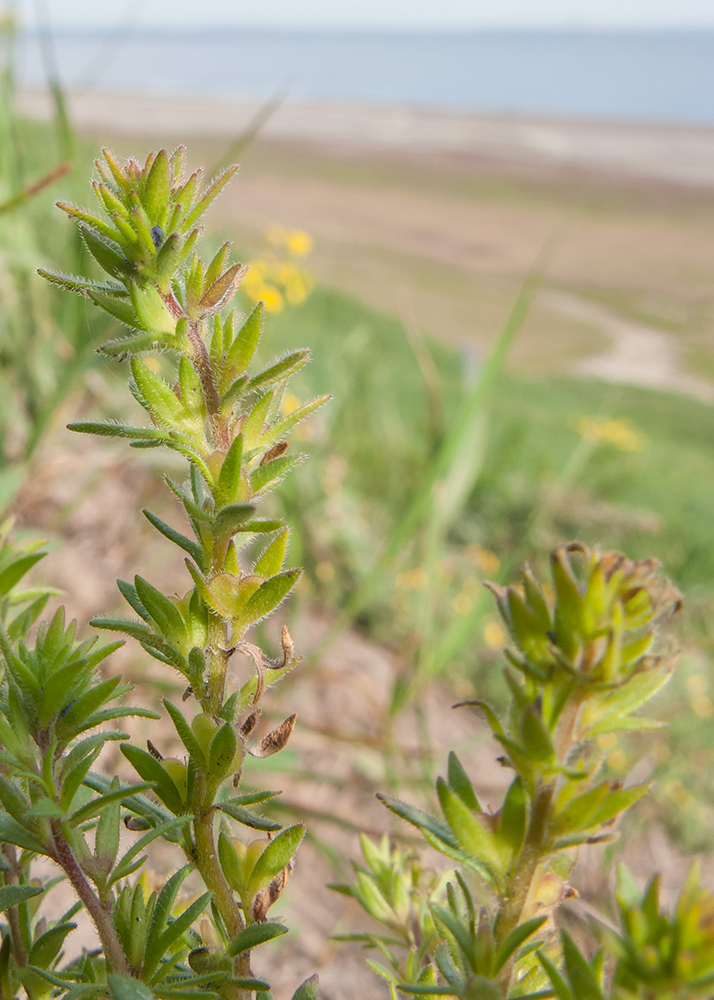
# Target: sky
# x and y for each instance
(404, 14)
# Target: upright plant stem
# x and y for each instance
(215, 881)
(13, 916)
(101, 915)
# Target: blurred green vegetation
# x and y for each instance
(628, 468)
(46, 342)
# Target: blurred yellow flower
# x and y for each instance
(462, 603)
(289, 403)
(494, 635)
(275, 279)
(325, 571)
(413, 579)
(600, 430)
(271, 298)
(299, 242)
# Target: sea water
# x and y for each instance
(644, 76)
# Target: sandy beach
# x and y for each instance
(678, 154)
(437, 217)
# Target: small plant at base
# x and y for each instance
(394, 889)
(226, 421)
(580, 666)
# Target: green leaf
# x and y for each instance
(252, 985)
(117, 430)
(76, 283)
(267, 476)
(12, 799)
(193, 747)
(248, 818)
(157, 190)
(161, 831)
(128, 988)
(269, 596)
(421, 820)
(560, 987)
(151, 770)
(460, 783)
(576, 815)
(108, 830)
(11, 895)
(137, 630)
(272, 558)
(13, 833)
(162, 610)
(514, 815)
(229, 476)
(428, 991)
(223, 750)
(473, 838)
(601, 713)
(255, 422)
(95, 806)
(231, 518)
(156, 948)
(210, 193)
(568, 606)
(307, 990)
(47, 947)
(582, 980)
(274, 858)
(107, 253)
(284, 368)
(121, 310)
(617, 801)
(281, 428)
(254, 935)
(15, 571)
(461, 933)
(240, 354)
(536, 738)
(157, 396)
(187, 544)
(128, 592)
(514, 941)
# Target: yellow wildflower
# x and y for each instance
(600, 430)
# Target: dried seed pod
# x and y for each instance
(275, 740)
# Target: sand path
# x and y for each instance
(637, 355)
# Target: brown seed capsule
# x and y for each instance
(275, 740)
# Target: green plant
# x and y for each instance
(56, 709)
(47, 344)
(581, 664)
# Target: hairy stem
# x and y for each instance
(101, 915)
(534, 853)
(211, 394)
(215, 881)
(217, 662)
(12, 877)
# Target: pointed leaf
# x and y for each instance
(254, 935)
(276, 856)
(269, 596)
(187, 544)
